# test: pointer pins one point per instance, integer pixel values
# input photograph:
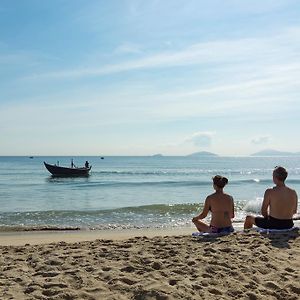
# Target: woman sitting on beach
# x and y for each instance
(221, 207)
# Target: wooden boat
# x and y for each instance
(68, 172)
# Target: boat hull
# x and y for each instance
(67, 172)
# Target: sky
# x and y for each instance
(134, 77)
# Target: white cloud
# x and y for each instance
(201, 139)
(260, 140)
(261, 51)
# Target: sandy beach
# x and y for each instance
(149, 265)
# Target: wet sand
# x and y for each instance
(153, 265)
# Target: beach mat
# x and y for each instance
(264, 230)
(209, 234)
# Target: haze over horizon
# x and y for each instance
(262, 153)
(144, 77)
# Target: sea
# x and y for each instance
(130, 191)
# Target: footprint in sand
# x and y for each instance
(271, 266)
(206, 275)
(128, 281)
(271, 285)
(210, 270)
(295, 289)
(197, 287)
(173, 282)
(53, 262)
(191, 263)
(264, 258)
(156, 265)
(263, 271)
(290, 270)
(90, 269)
(252, 296)
(125, 246)
(236, 294)
(54, 285)
(51, 292)
(152, 294)
(215, 291)
(29, 289)
(204, 283)
(225, 250)
(128, 269)
(46, 274)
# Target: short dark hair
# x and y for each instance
(280, 173)
(220, 181)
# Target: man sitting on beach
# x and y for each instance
(278, 207)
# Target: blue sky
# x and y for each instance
(146, 77)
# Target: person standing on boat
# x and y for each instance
(87, 165)
(72, 163)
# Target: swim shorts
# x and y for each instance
(215, 229)
(273, 223)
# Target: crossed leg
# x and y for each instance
(202, 227)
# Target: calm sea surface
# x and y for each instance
(130, 192)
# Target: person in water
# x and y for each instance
(278, 207)
(221, 207)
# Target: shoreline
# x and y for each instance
(21, 238)
(38, 237)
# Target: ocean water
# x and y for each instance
(130, 192)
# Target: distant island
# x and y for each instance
(202, 154)
(271, 152)
(157, 155)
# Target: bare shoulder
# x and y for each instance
(269, 193)
(287, 190)
(228, 196)
(211, 196)
(291, 191)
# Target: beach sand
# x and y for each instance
(172, 266)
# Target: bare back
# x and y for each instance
(222, 209)
(282, 202)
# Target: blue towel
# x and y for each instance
(197, 234)
(264, 230)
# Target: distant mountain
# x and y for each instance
(270, 152)
(202, 154)
(157, 155)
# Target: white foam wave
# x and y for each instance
(254, 205)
